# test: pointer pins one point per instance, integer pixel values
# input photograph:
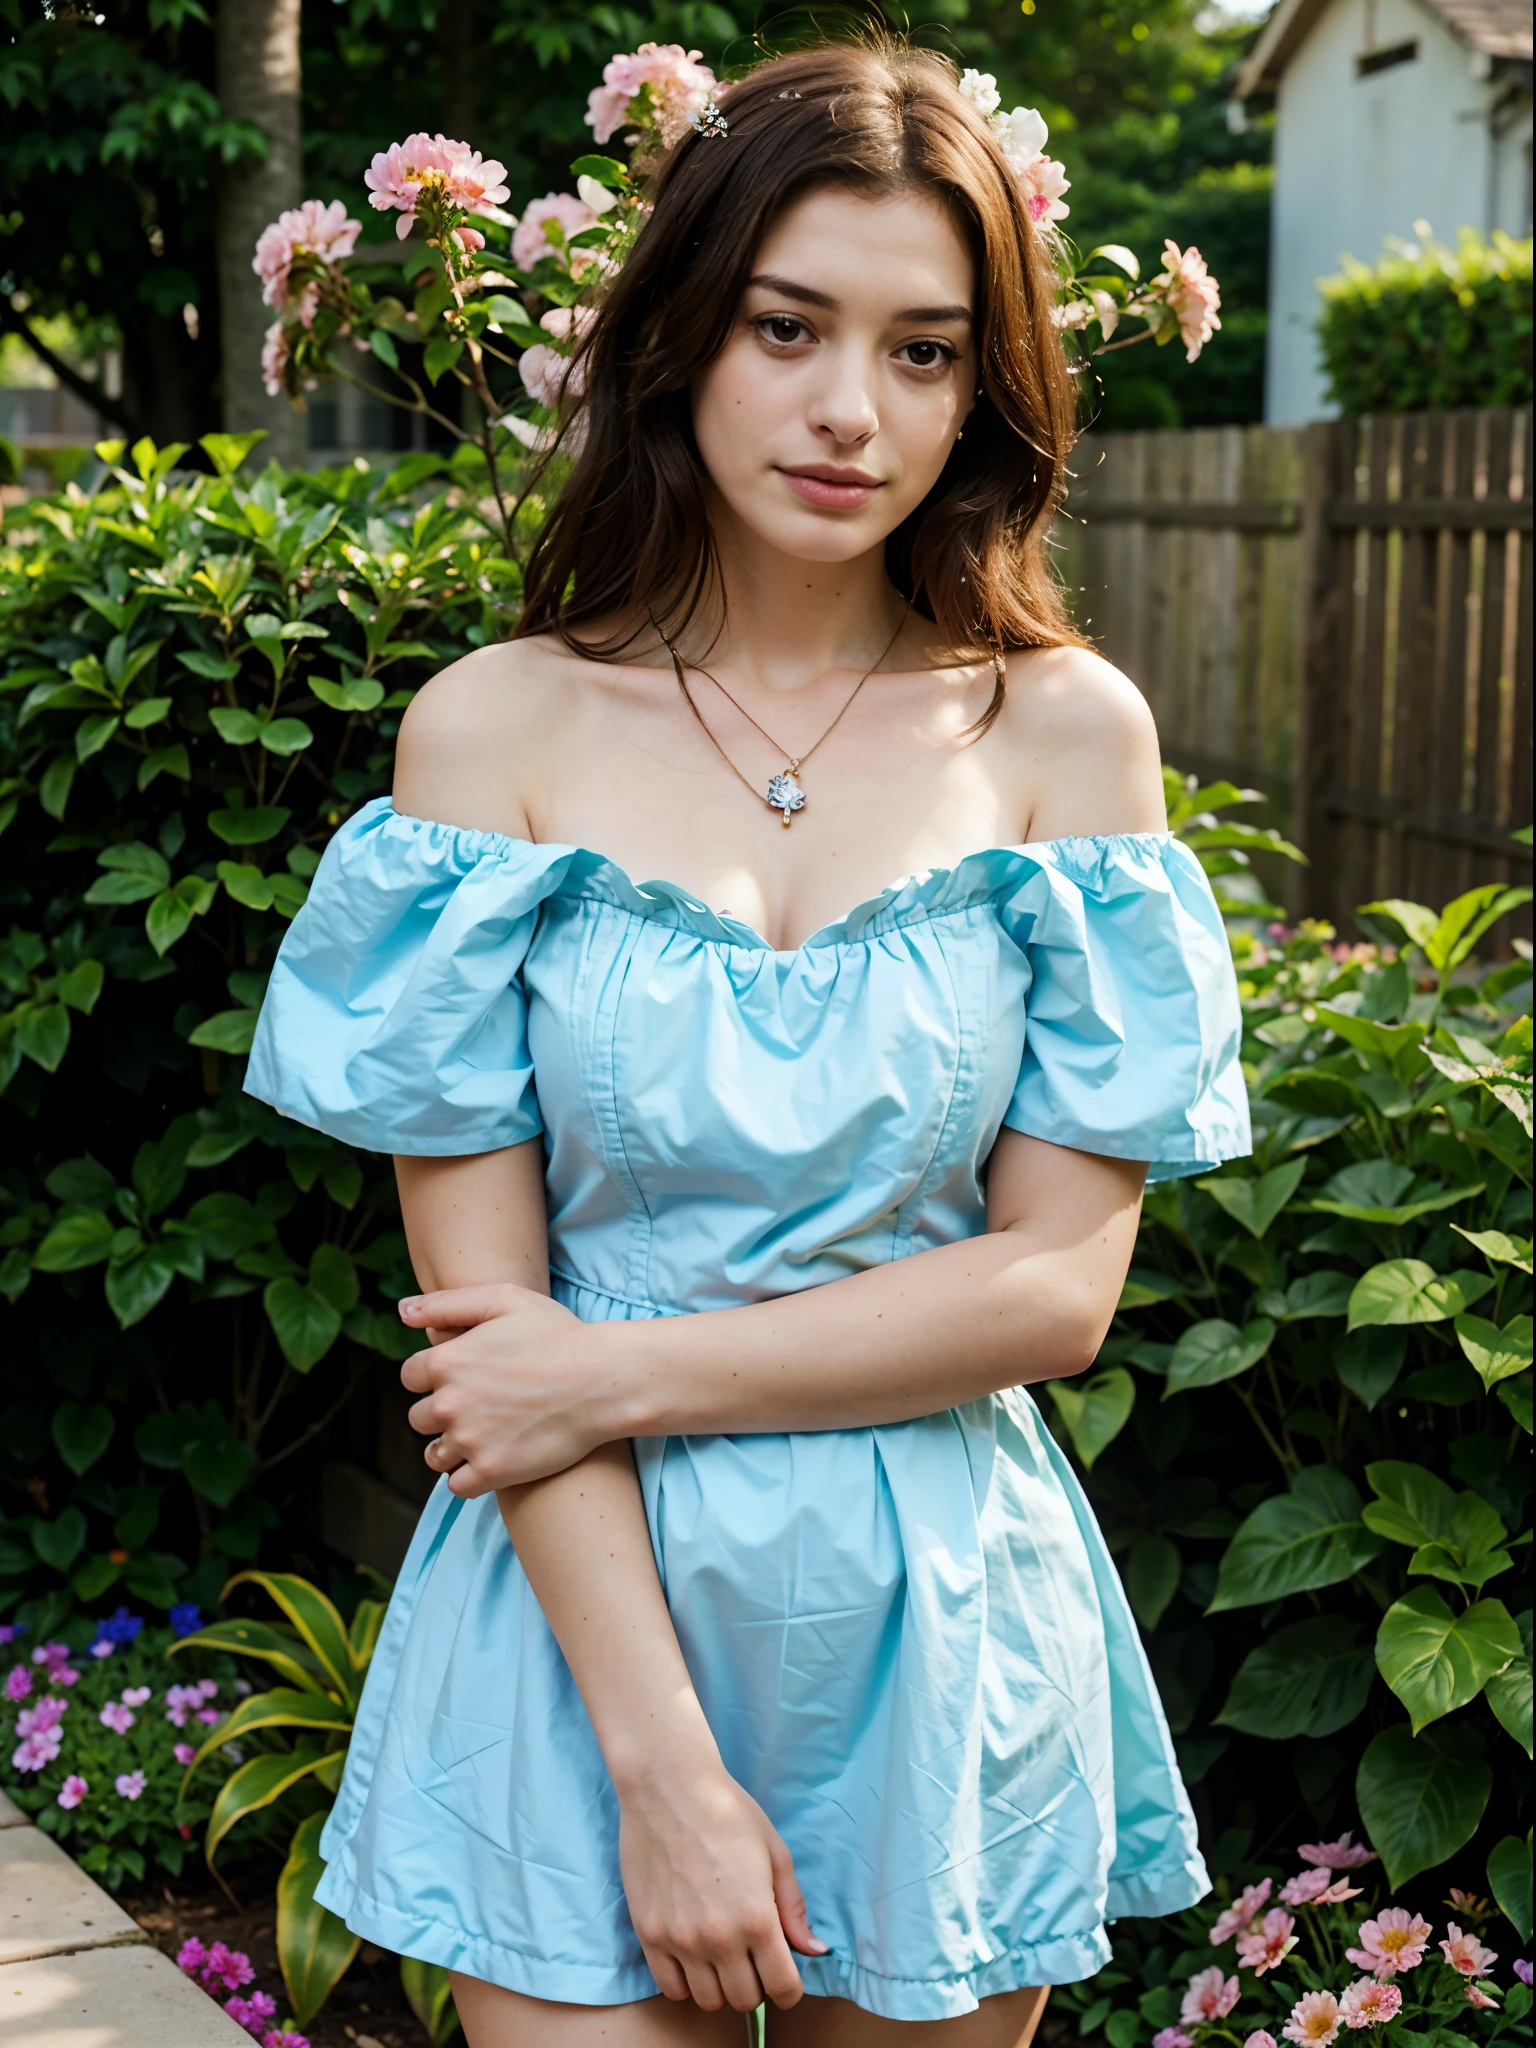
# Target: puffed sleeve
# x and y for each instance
(395, 1018)
(1133, 1028)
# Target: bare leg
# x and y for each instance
(1006, 2022)
(494, 2018)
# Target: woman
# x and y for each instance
(746, 1216)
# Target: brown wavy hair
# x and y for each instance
(630, 533)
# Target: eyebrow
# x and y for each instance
(805, 296)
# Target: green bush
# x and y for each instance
(198, 680)
(1429, 328)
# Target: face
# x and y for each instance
(850, 370)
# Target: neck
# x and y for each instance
(783, 622)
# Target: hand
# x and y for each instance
(711, 1889)
(512, 1385)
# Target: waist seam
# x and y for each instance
(654, 1308)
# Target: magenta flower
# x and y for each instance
(184, 1753)
(1344, 1854)
(18, 1682)
(210, 1715)
(103, 1646)
(191, 1956)
(669, 82)
(117, 1717)
(73, 1790)
(207, 1688)
(1209, 1997)
(1242, 1912)
(1464, 1952)
(1367, 2003)
(231, 1967)
(276, 2038)
(1266, 1945)
(129, 1783)
(1317, 1887)
(255, 2013)
(1393, 1941)
(1314, 2020)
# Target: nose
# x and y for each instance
(843, 409)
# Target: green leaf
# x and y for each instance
(81, 1432)
(245, 883)
(1412, 1505)
(81, 987)
(164, 760)
(1416, 919)
(384, 348)
(213, 668)
(440, 354)
(314, 1947)
(1409, 1291)
(271, 1644)
(1095, 1413)
(1143, 1288)
(82, 1180)
(42, 1033)
(282, 1707)
(1495, 1354)
(333, 1277)
(429, 1993)
(1296, 1542)
(1421, 1799)
(361, 693)
(228, 451)
(54, 786)
(305, 1325)
(607, 170)
(1497, 1246)
(286, 736)
(92, 734)
(1372, 1191)
(231, 1031)
(1256, 1203)
(315, 1619)
(217, 1468)
(149, 711)
(136, 1284)
(1213, 1351)
(1152, 1577)
(1516, 1396)
(60, 1541)
(255, 1785)
(1321, 1293)
(1311, 1679)
(1436, 1661)
(239, 728)
(1509, 1694)
(249, 828)
(1509, 1879)
(81, 1238)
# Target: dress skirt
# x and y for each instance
(915, 1653)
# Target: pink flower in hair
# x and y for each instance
(1022, 136)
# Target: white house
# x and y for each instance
(1387, 112)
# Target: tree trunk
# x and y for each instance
(456, 55)
(258, 80)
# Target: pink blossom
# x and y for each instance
(1393, 1941)
(1367, 2003)
(1346, 1853)
(549, 376)
(208, 1688)
(1022, 137)
(37, 1751)
(230, 1966)
(530, 238)
(1476, 1995)
(323, 233)
(469, 239)
(43, 1715)
(104, 1645)
(474, 182)
(129, 1783)
(276, 2038)
(1261, 2038)
(1195, 299)
(1172, 2037)
(1525, 1971)
(1266, 1946)
(676, 87)
(184, 1753)
(255, 2013)
(73, 1790)
(1241, 1914)
(191, 1956)
(457, 174)
(1464, 1952)
(179, 1702)
(275, 352)
(1314, 2019)
(18, 1682)
(117, 1717)
(210, 1716)
(1209, 1997)
(1317, 1887)
(135, 1695)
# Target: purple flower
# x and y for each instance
(117, 1717)
(185, 1619)
(103, 1646)
(274, 2037)
(37, 1751)
(191, 1956)
(129, 1783)
(73, 1790)
(232, 1968)
(183, 1753)
(135, 1695)
(18, 1682)
(10, 1630)
(255, 2013)
(47, 1713)
(208, 1688)
(1523, 1970)
(210, 1715)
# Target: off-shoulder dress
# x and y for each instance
(910, 1641)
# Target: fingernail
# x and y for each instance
(819, 1945)
(410, 1305)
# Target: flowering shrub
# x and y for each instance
(1314, 1964)
(94, 1744)
(221, 1970)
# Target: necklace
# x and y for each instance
(783, 793)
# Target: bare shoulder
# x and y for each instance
(1083, 744)
(473, 737)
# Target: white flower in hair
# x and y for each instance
(1022, 136)
(980, 88)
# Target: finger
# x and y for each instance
(468, 1483)
(443, 1456)
(421, 1372)
(703, 1984)
(667, 1971)
(427, 1417)
(790, 1900)
(738, 1980)
(459, 1308)
(775, 1967)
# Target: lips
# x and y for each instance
(832, 490)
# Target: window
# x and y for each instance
(1369, 62)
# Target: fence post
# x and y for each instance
(1318, 682)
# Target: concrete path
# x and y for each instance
(76, 1971)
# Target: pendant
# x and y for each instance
(786, 795)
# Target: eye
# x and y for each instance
(927, 355)
(782, 330)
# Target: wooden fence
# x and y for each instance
(1338, 614)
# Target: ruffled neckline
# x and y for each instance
(1086, 861)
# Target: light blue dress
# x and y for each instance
(909, 1641)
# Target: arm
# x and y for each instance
(1030, 1300)
(702, 1867)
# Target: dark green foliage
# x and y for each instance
(198, 681)
(1430, 329)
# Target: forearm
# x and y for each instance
(581, 1535)
(1026, 1302)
